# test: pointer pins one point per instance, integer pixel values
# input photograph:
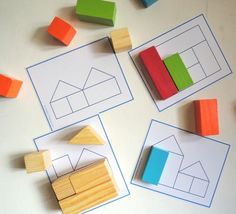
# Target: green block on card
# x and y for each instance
(178, 71)
(96, 11)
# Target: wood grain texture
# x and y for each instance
(86, 136)
(89, 198)
(37, 161)
(91, 176)
(63, 187)
(121, 40)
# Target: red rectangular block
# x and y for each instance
(9, 87)
(206, 114)
(61, 30)
(158, 73)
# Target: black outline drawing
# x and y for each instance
(82, 90)
(180, 171)
(192, 48)
(61, 158)
(208, 35)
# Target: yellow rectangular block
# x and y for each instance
(91, 176)
(37, 161)
(63, 187)
(89, 198)
(121, 40)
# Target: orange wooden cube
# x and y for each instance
(61, 30)
(9, 87)
(206, 114)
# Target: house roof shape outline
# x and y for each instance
(170, 144)
(95, 77)
(195, 170)
(64, 89)
(94, 155)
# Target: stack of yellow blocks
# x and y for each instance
(85, 188)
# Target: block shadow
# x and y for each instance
(137, 4)
(17, 160)
(47, 195)
(68, 13)
(43, 39)
(187, 115)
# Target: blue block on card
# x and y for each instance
(148, 3)
(155, 165)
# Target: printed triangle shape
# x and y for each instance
(195, 170)
(64, 89)
(87, 136)
(88, 157)
(95, 77)
(170, 144)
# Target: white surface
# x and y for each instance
(197, 158)
(24, 42)
(89, 75)
(194, 40)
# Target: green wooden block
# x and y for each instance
(178, 71)
(96, 11)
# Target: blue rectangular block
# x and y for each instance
(148, 3)
(155, 165)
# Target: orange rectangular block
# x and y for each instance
(206, 113)
(61, 30)
(9, 87)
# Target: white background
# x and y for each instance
(24, 42)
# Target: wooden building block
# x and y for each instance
(9, 87)
(61, 30)
(178, 71)
(37, 161)
(89, 198)
(121, 39)
(87, 135)
(155, 164)
(91, 176)
(158, 73)
(63, 187)
(148, 3)
(97, 11)
(206, 114)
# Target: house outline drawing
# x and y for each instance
(67, 98)
(191, 179)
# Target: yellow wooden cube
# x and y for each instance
(37, 161)
(63, 187)
(121, 40)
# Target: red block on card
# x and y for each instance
(158, 73)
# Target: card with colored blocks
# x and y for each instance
(190, 49)
(78, 170)
(82, 83)
(179, 163)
